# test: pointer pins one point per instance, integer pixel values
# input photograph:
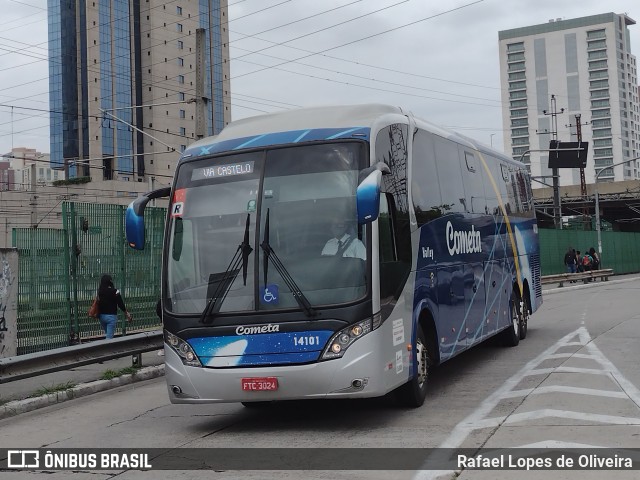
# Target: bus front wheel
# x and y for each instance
(414, 392)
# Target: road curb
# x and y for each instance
(587, 285)
(16, 407)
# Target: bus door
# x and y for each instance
(474, 293)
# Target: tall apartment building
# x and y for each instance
(110, 55)
(586, 63)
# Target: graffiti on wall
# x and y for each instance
(7, 305)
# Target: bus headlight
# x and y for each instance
(183, 349)
(341, 340)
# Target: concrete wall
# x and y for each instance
(8, 302)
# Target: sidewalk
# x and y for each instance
(15, 396)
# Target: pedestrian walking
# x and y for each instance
(109, 300)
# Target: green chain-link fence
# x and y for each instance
(620, 250)
(60, 271)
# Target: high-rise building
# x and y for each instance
(587, 65)
(108, 56)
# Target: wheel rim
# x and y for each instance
(423, 365)
(515, 319)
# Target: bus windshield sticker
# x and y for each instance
(251, 206)
(219, 171)
(177, 206)
(269, 294)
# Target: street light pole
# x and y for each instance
(595, 186)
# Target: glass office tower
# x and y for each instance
(106, 57)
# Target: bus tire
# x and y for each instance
(511, 335)
(524, 318)
(413, 393)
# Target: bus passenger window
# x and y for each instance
(425, 188)
(385, 229)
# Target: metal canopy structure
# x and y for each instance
(621, 208)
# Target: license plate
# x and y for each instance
(260, 384)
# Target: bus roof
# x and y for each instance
(306, 118)
(325, 121)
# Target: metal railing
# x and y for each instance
(65, 358)
(561, 278)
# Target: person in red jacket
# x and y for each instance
(109, 300)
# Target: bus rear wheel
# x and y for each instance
(413, 393)
(524, 318)
(511, 336)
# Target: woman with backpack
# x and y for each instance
(587, 262)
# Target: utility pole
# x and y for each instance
(34, 196)
(583, 184)
(201, 99)
(557, 212)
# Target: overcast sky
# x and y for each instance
(437, 59)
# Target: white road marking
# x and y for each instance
(546, 371)
(558, 444)
(478, 418)
(550, 412)
(571, 355)
(565, 389)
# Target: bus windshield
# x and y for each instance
(298, 201)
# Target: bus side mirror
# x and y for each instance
(134, 223)
(134, 217)
(368, 193)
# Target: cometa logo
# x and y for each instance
(253, 330)
(463, 242)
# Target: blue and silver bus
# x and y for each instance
(338, 252)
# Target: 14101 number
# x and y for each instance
(306, 341)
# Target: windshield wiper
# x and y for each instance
(228, 277)
(269, 254)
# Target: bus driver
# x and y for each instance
(343, 243)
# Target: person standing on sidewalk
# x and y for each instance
(109, 299)
(596, 259)
(579, 267)
(570, 261)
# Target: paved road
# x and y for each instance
(573, 382)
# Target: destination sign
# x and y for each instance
(219, 171)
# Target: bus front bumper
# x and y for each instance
(361, 372)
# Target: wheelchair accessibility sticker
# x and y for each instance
(269, 294)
